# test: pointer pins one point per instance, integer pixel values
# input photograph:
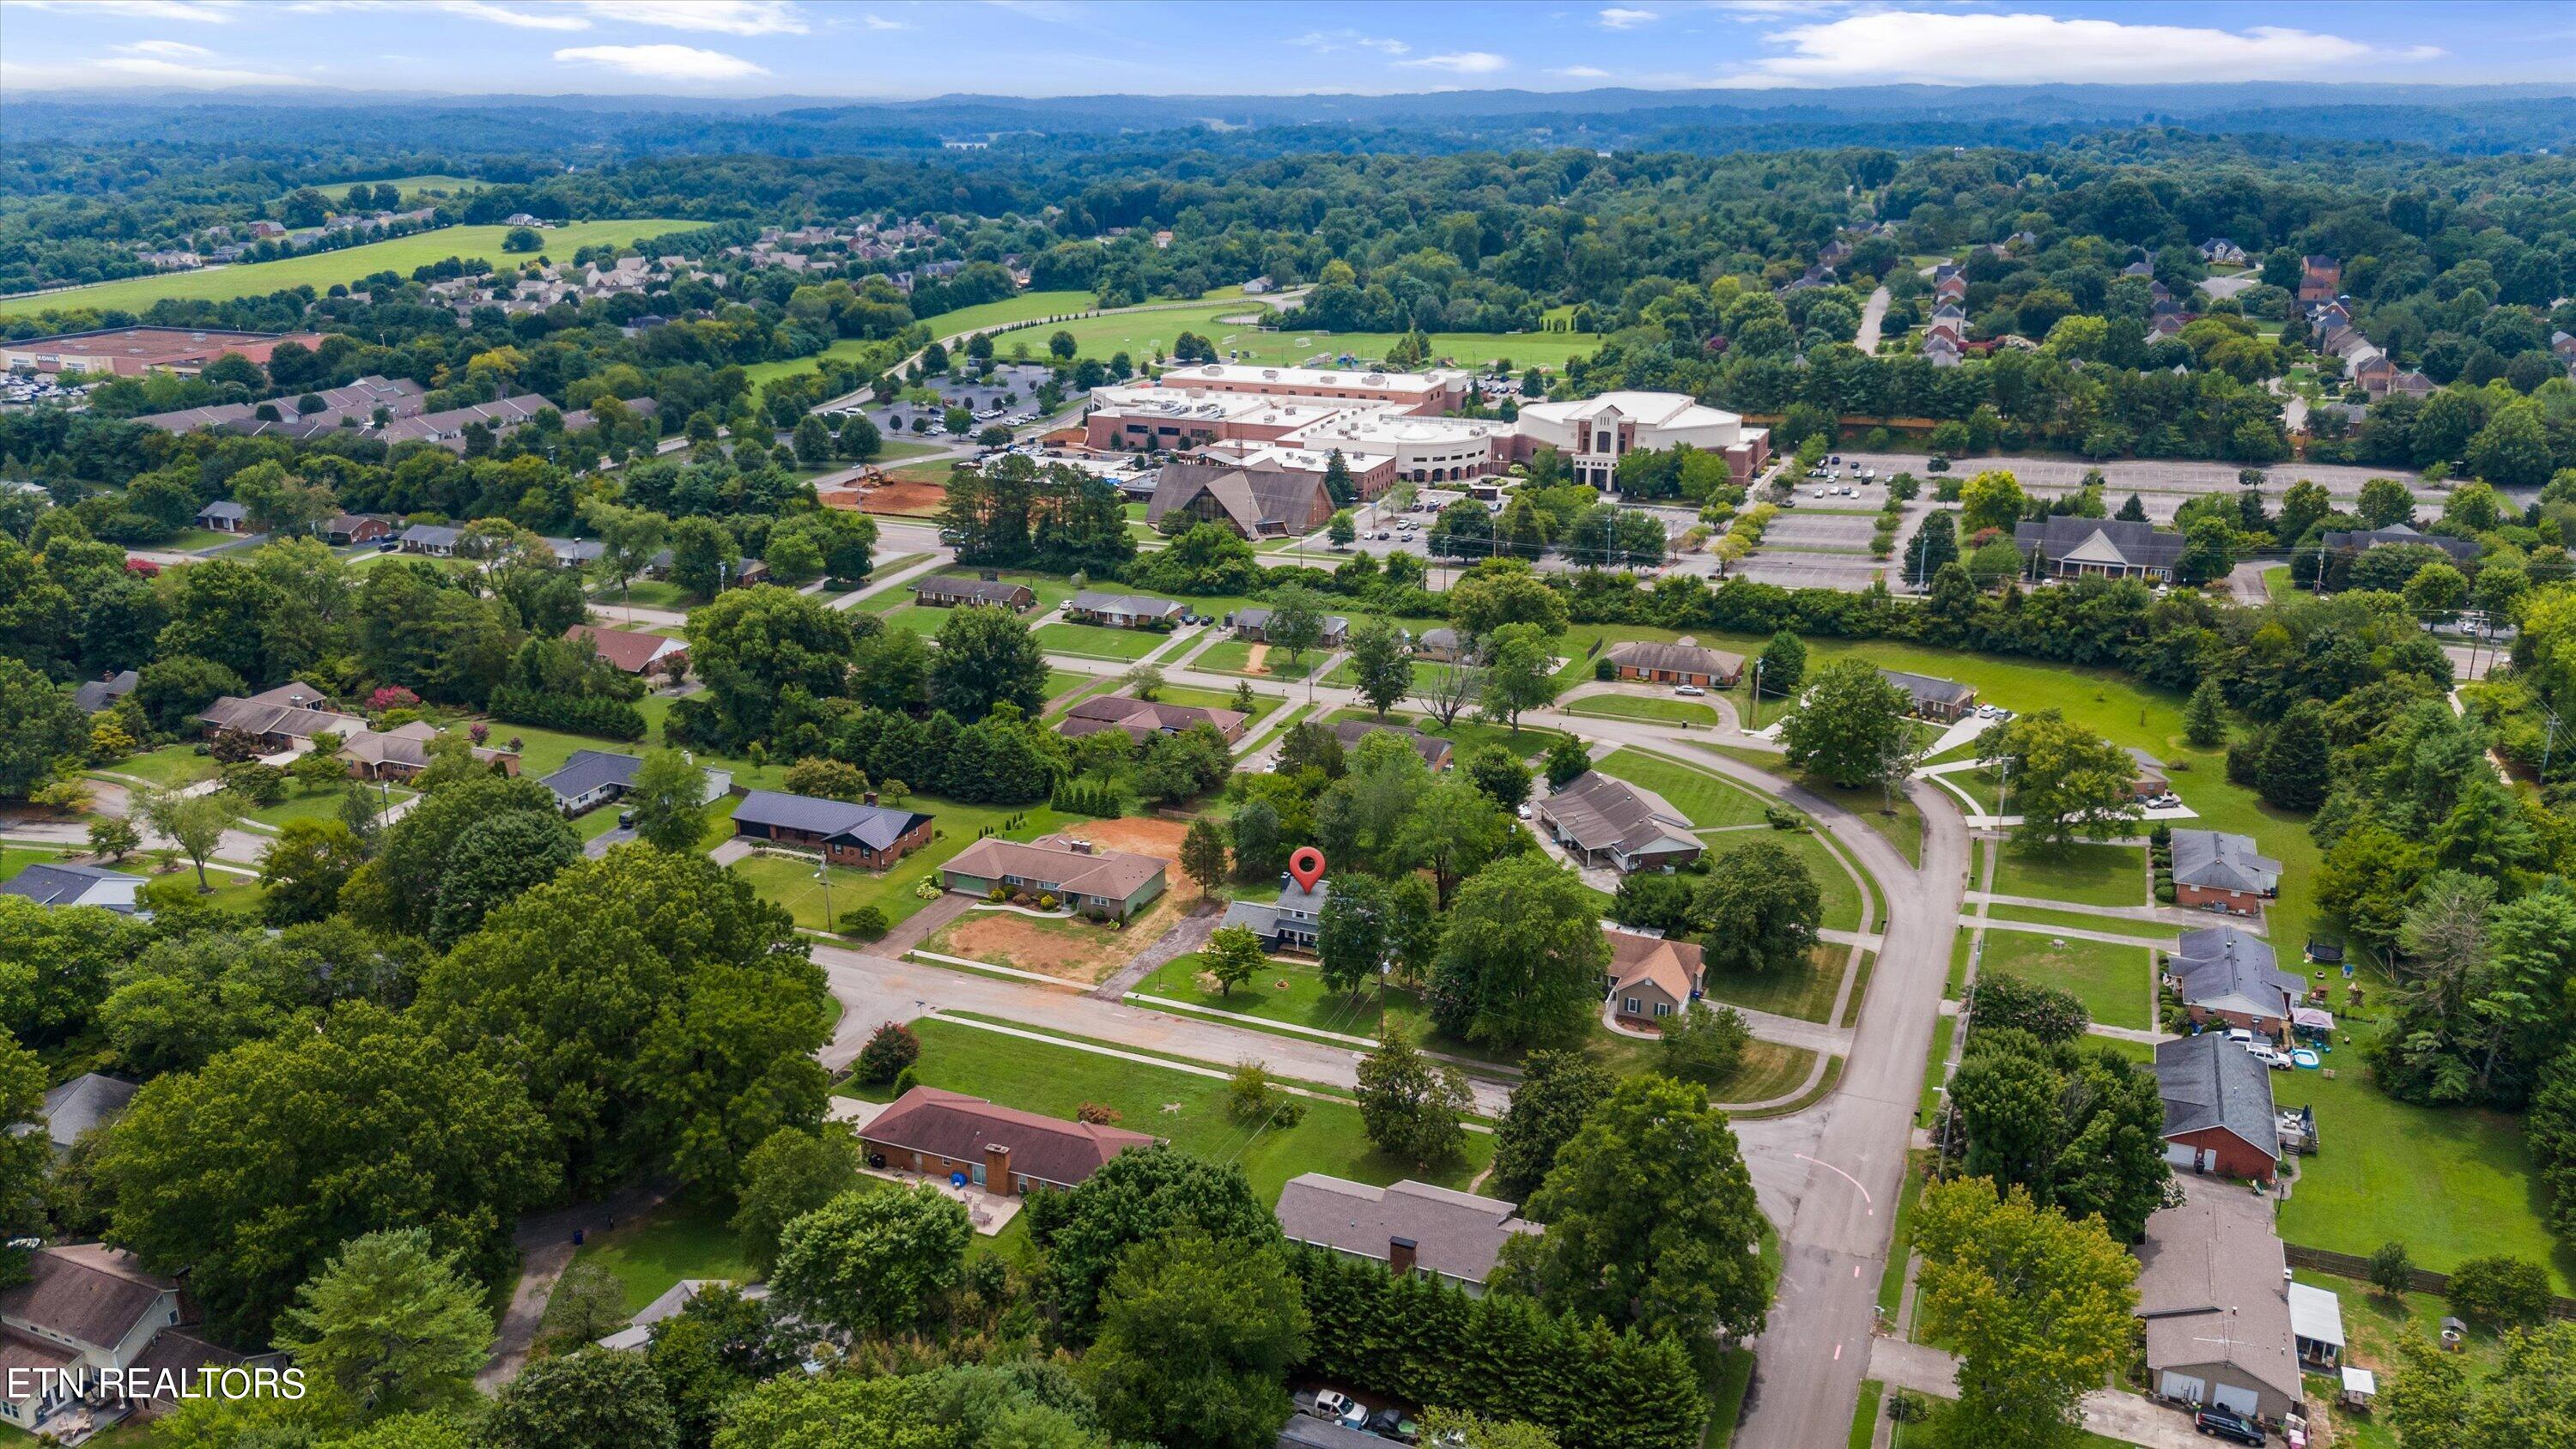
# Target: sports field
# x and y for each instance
(442, 185)
(321, 269)
(1141, 334)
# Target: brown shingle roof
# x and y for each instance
(959, 1127)
(627, 649)
(1110, 874)
(1456, 1233)
(1143, 718)
(2210, 1289)
(87, 1292)
(1680, 658)
(1672, 966)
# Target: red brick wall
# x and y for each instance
(2240, 902)
(2229, 1154)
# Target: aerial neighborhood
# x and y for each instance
(737, 725)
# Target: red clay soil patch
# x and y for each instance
(1136, 835)
(1075, 949)
(906, 499)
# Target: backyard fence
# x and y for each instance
(2422, 1280)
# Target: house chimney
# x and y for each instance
(868, 797)
(1399, 1257)
(997, 1169)
(1081, 847)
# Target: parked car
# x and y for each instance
(1392, 1424)
(1523, 811)
(1691, 689)
(1333, 1404)
(2228, 1425)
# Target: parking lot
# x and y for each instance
(2163, 485)
(1012, 388)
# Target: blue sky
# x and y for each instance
(902, 48)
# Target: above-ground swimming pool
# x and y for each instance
(2306, 1057)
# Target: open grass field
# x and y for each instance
(1184, 1107)
(2112, 981)
(1709, 801)
(1094, 641)
(2451, 1183)
(789, 879)
(321, 269)
(1903, 829)
(1026, 307)
(849, 349)
(1279, 991)
(437, 183)
(2082, 873)
(1143, 334)
(674, 1241)
(1234, 656)
(168, 767)
(1687, 713)
(1806, 993)
(1181, 694)
(303, 804)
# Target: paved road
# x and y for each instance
(1871, 316)
(2245, 583)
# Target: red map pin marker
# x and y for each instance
(1307, 865)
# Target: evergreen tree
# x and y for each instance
(1337, 480)
(1784, 664)
(2297, 764)
(2204, 719)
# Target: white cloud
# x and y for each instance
(1621, 18)
(137, 70)
(1464, 62)
(166, 49)
(1325, 42)
(550, 18)
(208, 12)
(879, 22)
(724, 17)
(1907, 46)
(663, 62)
(1582, 72)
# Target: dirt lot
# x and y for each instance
(1075, 949)
(1141, 836)
(905, 499)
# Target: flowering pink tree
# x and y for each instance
(393, 696)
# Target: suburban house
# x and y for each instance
(1000, 1149)
(1415, 1229)
(1254, 624)
(1289, 924)
(84, 1309)
(2218, 1108)
(85, 1102)
(2224, 975)
(1940, 700)
(1600, 820)
(1253, 502)
(595, 777)
(103, 693)
(2212, 1283)
(1092, 881)
(438, 540)
(49, 883)
(2219, 871)
(2218, 251)
(1676, 664)
(632, 650)
(1434, 750)
(351, 528)
(2357, 541)
(2151, 780)
(224, 516)
(1650, 977)
(945, 591)
(1143, 719)
(1122, 611)
(2320, 279)
(638, 1332)
(2110, 548)
(282, 717)
(396, 754)
(1440, 646)
(868, 835)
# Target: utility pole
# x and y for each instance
(1757, 692)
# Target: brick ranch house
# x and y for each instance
(1676, 664)
(2218, 1108)
(2218, 871)
(865, 835)
(1000, 1149)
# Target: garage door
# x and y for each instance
(2243, 1401)
(2183, 1387)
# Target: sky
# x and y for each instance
(864, 49)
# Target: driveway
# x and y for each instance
(2129, 1418)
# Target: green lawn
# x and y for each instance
(1186, 1109)
(1707, 800)
(675, 1241)
(15, 858)
(1182, 694)
(1661, 711)
(168, 767)
(1936, 1071)
(646, 593)
(303, 804)
(1094, 641)
(190, 540)
(1025, 307)
(875, 351)
(2082, 873)
(1234, 656)
(1143, 335)
(789, 880)
(2112, 981)
(1903, 829)
(438, 183)
(321, 269)
(1806, 993)
(2143, 930)
(1277, 992)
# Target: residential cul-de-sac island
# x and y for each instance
(1064, 772)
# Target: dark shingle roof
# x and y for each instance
(1928, 687)
(50, 884)
(84, 1102)
(2208, 1081)
(2140, 545)
(1456, 1233)
(98, 694)
(959, 1127)
(2217, 860)
(86, 1292)
(2465, 550)
(587, 770)
(2224, 968)
(874, 826)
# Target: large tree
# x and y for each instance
(392, 1323)
(2065, 781)
(1557, 1090)
(1650, 1221)
(1410, 1105)
(666, 1016)
(1196, 1340)
(791, 1174)
(40, 728)
(55, 963)
(874, 1261)
(598, 1398)
(1382, 662)
(986, 657)
(1522, 961)
(1134, 1197)
(1760, 908)
(752, 647)
(1454, 831)
(669, 797)
(2036, 1305)
(1851, 728)
(250, 1173)
(2081, 1128)
(1520, 674)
